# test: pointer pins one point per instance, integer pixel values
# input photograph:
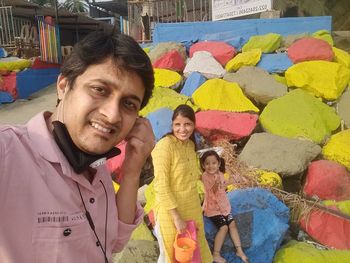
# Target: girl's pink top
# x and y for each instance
(215, 203)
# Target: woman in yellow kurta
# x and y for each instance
(176, 172)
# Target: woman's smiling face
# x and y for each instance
(182, 127)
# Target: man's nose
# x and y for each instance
(111, 109)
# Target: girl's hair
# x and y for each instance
(216, 155)
(187, 112)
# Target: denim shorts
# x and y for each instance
(221, 220)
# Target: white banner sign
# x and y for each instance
(224, 9)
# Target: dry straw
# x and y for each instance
(245, 177)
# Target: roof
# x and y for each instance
(118, 6)
(66, 19)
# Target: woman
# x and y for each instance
(176, 173)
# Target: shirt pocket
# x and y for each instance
(56, 244)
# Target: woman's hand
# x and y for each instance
(180, 225)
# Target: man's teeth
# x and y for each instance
(100, 128)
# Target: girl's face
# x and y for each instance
(182, 128)
(211, 165)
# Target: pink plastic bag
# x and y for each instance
(191, 227)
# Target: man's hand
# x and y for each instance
(140, 143)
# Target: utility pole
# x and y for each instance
(56, 11)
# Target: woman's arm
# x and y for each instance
(162, 161)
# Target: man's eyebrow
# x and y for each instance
(135, 98)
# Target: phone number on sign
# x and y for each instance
(244, 11)
(252, 9)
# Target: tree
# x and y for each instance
(48, 3)
(76, 6)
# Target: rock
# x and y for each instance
(327, 180)
(218, 94)
(162, 48)
(138, 251)
(295, 251)
(165, 78)
(338, 148)
(268, 43)
(220, 50)
(284, 156)
(310, 48)
(299, 115)
(204, 63)
(160, 121)
(262, 221)
(275, 63)
(193, 82)
(343, 108)
(217, 125)
(257, 84)
(323, 78)
(165, 98)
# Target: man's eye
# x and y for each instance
(99, 90)
(130, 105)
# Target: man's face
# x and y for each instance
(101, 108)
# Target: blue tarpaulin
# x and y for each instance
(5, 97)
(246, 28)
(32, 80)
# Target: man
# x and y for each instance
(57, 202)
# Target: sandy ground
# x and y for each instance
(21, 111)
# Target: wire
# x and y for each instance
(91, 222)
(106, 217)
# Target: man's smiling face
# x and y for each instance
(102, 106)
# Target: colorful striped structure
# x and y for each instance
(49, 41)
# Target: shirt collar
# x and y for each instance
(42, 138)
(45, 144)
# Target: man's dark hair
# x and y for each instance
(124, 50)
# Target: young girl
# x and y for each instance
(217, 206)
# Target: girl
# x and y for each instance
(216, 204)
(176, 172)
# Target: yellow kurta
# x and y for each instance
(176, 172)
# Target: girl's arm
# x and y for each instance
(210, 184)
(230, 180)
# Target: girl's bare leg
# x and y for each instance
(237, 242)
(218, 242)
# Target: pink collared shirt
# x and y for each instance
(215, 202)
(42, 217)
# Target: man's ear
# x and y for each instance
(62, 86)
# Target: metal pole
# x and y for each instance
(193, 11)
(56, 12)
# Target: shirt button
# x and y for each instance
(67, 232)
(92, 200)
(97, 243)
